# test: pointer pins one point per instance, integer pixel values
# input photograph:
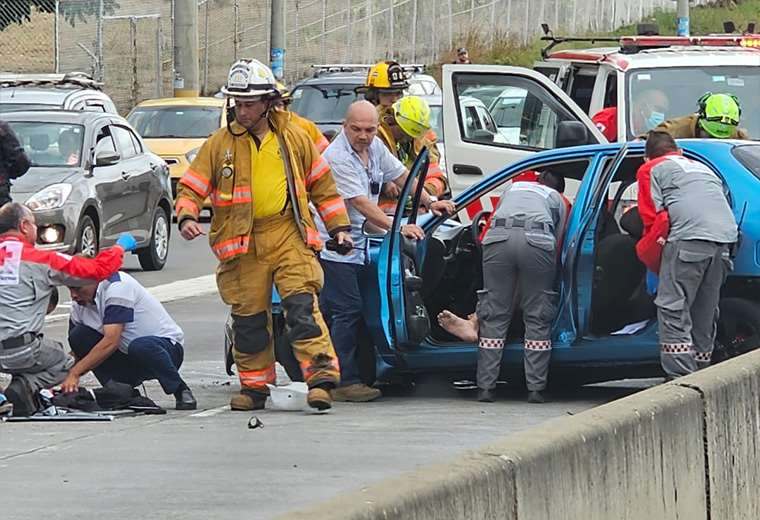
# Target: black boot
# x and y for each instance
(20, 396)
(485, 396)
(185, 399)
(536, 397)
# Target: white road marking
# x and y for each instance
(211, 412)
(169, 292)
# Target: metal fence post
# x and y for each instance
(391, 25)
(370, 34)
(324, 31)
(57, 56)
(451, 28)
(205, 50)
(99, 41)
(349, 31)
(159, 44)
(414, 31)
(236, 36)
(133, 39)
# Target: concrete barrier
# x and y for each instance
(732, 425)
(641, 457)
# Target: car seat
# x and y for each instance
(39, 142)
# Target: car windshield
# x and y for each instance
(184, 122)
(325, 103)
(436, 123)
(674, 92)
(50, 144)
(749, 156)
(15, 107)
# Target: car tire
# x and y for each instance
(738, 328)
(87, 243)
(153, 257)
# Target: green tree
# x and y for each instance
(73, 11)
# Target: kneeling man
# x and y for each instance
(121, 332)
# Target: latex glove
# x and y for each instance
(127, 242)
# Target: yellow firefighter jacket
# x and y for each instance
(222, 171)
(316, 136)
(686, 127)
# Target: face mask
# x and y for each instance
(655, 119)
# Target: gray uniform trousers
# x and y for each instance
(691, 275)
(41, 364)
(515, 267)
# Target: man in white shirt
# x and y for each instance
(122, 333)
(360, 165)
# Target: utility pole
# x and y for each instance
(186, 74)
(277, 43)
(683, 17)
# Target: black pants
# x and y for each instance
(147, 358)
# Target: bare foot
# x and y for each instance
(465, 330)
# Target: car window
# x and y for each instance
(136, 142)
(324, 103)
(581, 89)
(124, 142)
(435, 121)
(749, 156)
(187, 122)
(674, 91)
(50, 144)
(104, 142)
(525, 114)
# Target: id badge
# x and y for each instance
(374, 187)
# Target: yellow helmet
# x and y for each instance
(285, 94)
(412, 115)
(386, 75)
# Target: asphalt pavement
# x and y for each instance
(209, 464)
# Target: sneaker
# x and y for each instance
(21, 397)
(356, 393)
(485, 396)
(248, 400)
(319, 398)
(185, 400)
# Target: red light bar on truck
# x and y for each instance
(643, 42)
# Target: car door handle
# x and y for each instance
(467, 169)
(126, 175)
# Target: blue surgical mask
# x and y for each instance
(655, 119)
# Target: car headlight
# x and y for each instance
(49, 198)
(190, 156)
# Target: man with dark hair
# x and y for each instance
(13, 161)
(519, 257)
(28, 276)
(684, 203)
(463, 56)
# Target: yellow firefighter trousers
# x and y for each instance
(277, 254)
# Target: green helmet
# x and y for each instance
(719, 114)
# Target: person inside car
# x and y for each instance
(69, 144)
(718, 117)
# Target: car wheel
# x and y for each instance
(153, 257)
(87, 239)
(738, 328)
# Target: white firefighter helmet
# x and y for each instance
(250, 78)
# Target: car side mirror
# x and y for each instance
(483, 136)
(106, 158)
(571, 133)
(370, 230)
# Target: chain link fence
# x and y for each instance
(128, 44)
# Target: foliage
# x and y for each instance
(73, 11)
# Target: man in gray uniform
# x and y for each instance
(28, 276)
(519, 258)
(695, 259)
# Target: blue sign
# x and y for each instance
(277, 61)
(683, 26)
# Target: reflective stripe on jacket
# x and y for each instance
(222, 171)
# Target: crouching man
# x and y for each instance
(122, 333)
(28, 279)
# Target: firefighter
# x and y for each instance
(695, 257)
(717, 118)
(405, 130)
(385, 84)
(262, 172)
(286, 99)
(519, 257)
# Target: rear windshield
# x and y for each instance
(50, 144)
(180, 122)
(326, 103)
(749, 156)
(673, 92)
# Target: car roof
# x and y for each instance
(43, 95)
(60, 116)
(199, 101)
(668, 57)
(349, 77)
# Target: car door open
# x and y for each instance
(529, 111)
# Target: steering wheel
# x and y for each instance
(478, 224)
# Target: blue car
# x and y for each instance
(605, 327)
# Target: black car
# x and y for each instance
(92, 178)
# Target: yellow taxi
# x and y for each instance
(175, 128)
